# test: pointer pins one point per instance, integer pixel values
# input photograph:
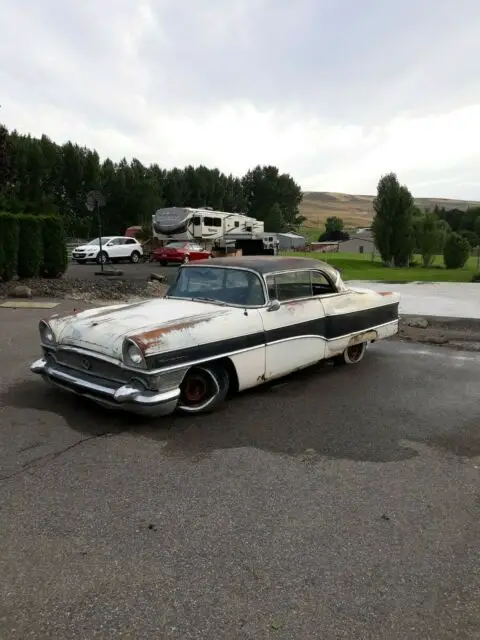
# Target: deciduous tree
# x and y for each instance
(392, 226)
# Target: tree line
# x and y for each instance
(38, 176)
(401, 229)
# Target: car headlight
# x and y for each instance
(47, 336)
(133, 355)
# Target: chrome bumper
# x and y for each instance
(132, 397)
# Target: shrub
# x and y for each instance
(30, 246)
(476, 277)
(456, 251)
(8, 245)
(55, 257)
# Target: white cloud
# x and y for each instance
(334, 95)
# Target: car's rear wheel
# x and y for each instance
(186, 259)
(352, 354)
(135, 257)
(102, 257)
(203, 389)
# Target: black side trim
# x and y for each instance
(346, 323)
(329, 328)
(210, 350)
(315, 327)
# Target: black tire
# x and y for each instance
(203, 389)
(102, 257)
(135, 257)
(352, 355)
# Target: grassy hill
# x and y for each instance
(357, 211)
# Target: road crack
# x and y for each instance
(49, 457)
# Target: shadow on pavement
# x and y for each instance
(302, 415)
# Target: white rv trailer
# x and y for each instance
(206, 225)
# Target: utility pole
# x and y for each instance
(95, 200)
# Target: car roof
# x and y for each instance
(267, 264)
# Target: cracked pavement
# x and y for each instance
(338, 503)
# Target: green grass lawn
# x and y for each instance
(357, 266)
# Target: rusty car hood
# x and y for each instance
(154, 324)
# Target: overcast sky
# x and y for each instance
(335, 92)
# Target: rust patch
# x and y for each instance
(148, 338)
(368, 336)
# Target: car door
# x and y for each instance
(112, 248)
(195, 251)
(295, 331)
(124, 248)
(131, 245)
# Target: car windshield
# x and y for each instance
(175, 245)
(217, 284)
(97, 240)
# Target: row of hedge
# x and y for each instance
(32, 246)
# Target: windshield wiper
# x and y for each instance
(210, 300)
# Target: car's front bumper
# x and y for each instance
(132, 397)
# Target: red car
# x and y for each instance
(180, 252)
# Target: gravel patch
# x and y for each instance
(106, 288)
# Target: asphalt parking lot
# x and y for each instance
(339, 503)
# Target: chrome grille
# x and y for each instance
(90, 365)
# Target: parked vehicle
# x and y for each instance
(224, 326)
(114, 249)
(206, 225)
(180, 252)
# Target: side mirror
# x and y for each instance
(274, 305)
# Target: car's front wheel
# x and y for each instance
(203, 389)
(352, 354)
(102, 257)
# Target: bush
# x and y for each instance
(456, 251)
(8, 245)
(30, 246)
(55, 257)
(476, 277)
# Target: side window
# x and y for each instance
(217, 222)
(237, 223)
(271, 288)
(208, 222)
(196, 220)
(293, 285)
(321, 284)
(130, 241)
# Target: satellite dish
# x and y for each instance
(94, 198)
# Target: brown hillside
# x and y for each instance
(357, 211)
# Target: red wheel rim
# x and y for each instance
(355, 351)
(195, 389)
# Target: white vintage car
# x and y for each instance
(225, 325)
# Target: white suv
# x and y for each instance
(114, 249)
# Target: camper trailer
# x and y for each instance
(204, 225)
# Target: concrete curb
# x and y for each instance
(460, 333)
